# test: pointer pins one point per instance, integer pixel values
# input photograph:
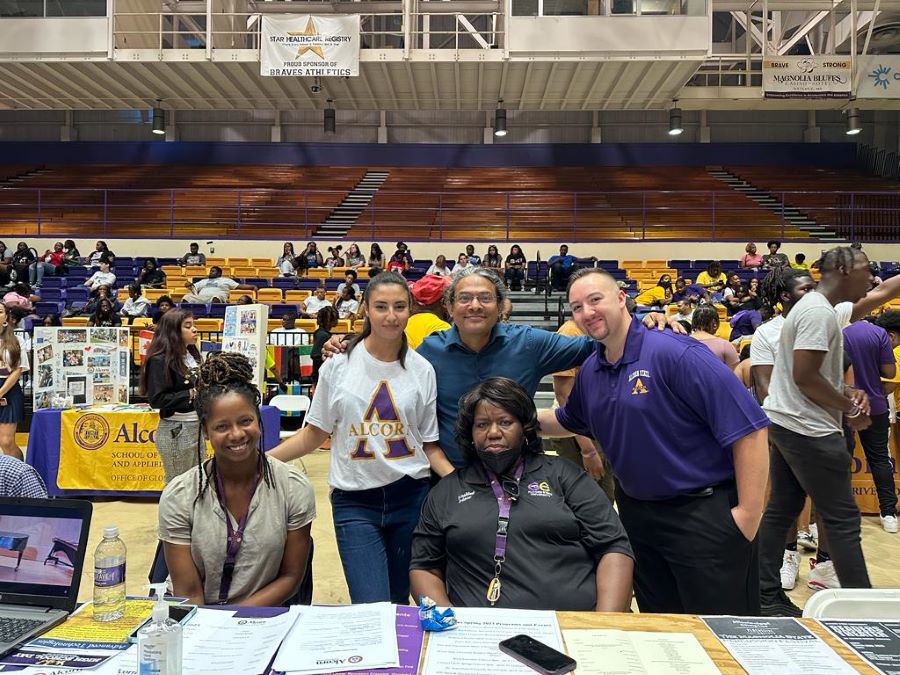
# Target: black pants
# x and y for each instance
(690, 556)
(514, 277)
(819, 467)
(874, 441)
(559, 275)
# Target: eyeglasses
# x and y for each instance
(483, 298)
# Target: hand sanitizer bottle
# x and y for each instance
(159, 642)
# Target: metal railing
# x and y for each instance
(514, 215)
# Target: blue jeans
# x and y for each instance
(374, 535)
(37, 270)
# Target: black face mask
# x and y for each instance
(500, 463)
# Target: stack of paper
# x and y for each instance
(346, 638)
(617, 652)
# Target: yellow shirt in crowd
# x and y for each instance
(651, 296)
(421, 325)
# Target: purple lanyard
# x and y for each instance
(235, 538)
(504, 502)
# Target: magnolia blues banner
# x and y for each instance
(879, 77)
(806, 76)
(303, 45)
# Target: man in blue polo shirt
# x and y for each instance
(561, 267)
(688, 446)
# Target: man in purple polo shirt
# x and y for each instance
(688, 446)
(872, 358)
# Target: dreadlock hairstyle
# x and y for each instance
(382, 279)
(220, 374)
(837, 257)
(779, 280)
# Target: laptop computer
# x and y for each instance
(42, 548)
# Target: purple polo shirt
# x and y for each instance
(869, 346)
(666, 414)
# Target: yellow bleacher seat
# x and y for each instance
(339, 271)
(656, 264)
(296, 296)
(330, 296)
(243, 271)
(208, 325)
(176, 293)
(214, 260)
(262, 262)
(122, 294)
(154, 294)
(272, 324)
(267, 272)
(195, 271)
(318, 273)
(343, 326)
(172, 270)
(234, 295)
(238, 262)
(269, 295)
(74, 321)
(142, 322)
(309, 325)
(631, 264)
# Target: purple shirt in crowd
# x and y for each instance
(868, 347)
(665, 415)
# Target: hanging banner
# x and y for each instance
(303, 45)
(879, 77)
(806, 77)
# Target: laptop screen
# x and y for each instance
(42, 548)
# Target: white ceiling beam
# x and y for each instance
(412, 84)
(755, 33)
(35, 74)
(547, 84)
(804, 30)
(19, 97)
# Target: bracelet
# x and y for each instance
(853, 415)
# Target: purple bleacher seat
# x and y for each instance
(305, 284)
(198, 309)
(332, 284)
(279, 310)
(285, 283)
(76, 304)
(217, 310)
(166, 261)
(53, 282)
(259, 282)
(52, 294)
(43, 308)
(78, 294)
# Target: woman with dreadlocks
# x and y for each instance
(236, 528)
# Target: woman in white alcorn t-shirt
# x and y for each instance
(377, 402)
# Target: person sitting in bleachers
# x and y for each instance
(428, 313)
(288, 335)
(103, 292)
(401, 260)
(349, 280)
(51, 320)
(685, 311)
(244, 300)
(21, 296)
(21, 260)
(704, 325)
(214, 288)
(311, 256)
(335, 258)
(287, 261)
(101, 252)
(18, 479)
(102, 277)
(151, 276)
(136, 305)
(462, 263)
(439, 267)
(474, 260)
(773, 258)
(163, 304)
(105, 315)
(561, 267)
(193, 256)
(516, 263)
(52, 262)
(800, 263)
(376, 257)
(658, 295)
(5, 254)
(71, 254)
(735, 294)
(315, 302)
(354, 257)
(346, 303)
(686, 290)
(713, 279)
(751, 260)
(566, 548)
(208, 504)
(493, 261)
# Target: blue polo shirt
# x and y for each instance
(665, 415)
(521, 353)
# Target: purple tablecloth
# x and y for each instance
(43, 452)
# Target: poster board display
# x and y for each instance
(244, 332)
(80, 366)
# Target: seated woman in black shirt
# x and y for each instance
(565, 548)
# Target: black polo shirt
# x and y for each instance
(560, 527)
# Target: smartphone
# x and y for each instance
(180, 613)
(537, 656)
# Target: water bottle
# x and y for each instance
(109, 577)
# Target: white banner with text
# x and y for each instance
(303, 45)
(806, 76)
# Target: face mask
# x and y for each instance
(500, 463)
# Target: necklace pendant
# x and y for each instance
(493, 590)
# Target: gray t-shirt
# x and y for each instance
(812, 325)
(288, 504)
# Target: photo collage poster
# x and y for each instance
(80, 366)
(244, 331)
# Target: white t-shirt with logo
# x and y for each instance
(379, 415)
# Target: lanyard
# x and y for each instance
(235, 538)
(504, 502)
